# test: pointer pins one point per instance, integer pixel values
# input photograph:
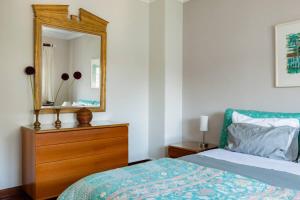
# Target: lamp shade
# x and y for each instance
(203, 123)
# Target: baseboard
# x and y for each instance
(138, 162)
(10, 192)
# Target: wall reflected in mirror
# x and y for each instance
(66, 51)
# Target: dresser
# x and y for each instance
(53, 159)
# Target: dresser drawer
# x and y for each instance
(60, 152)
(80, 135)
(52, 178)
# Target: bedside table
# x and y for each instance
(187, 148)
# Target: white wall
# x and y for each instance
(173, 71)
(157, 79)
(165, 76)
(61, 65)
(82, 51)
(229, 60)
(127, 74)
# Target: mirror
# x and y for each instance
(69, 52)
(70, 60)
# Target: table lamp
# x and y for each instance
(203, 128)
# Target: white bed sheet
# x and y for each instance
(256, 161)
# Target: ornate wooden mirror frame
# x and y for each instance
(56, 16)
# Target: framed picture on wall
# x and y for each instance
(287, 47)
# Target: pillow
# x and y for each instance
(254, 114)
(266, 122)
(279, 143)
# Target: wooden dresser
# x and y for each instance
(53, 159)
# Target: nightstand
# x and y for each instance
(187, 148)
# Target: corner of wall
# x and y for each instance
(165, 75)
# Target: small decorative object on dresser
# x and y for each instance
(187, 148)
(37, 124)
(53, 159)
(57, 122)
(30, 72)
(84, 116)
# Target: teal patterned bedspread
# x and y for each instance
(172, 179)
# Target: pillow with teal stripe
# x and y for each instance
(254, 114)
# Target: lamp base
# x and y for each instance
(203, 145)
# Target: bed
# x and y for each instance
(213, 174)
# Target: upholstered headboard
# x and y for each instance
(254, 114)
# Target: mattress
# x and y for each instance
(273, 172)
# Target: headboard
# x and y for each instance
(254, 114)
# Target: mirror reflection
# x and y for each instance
(71, 71)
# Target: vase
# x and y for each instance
(57, 122)
(84, 116)
(37, 124)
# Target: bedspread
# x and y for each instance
(172, 179)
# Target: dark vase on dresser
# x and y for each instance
(84, 117)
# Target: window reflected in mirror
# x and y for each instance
(95, 73)
(67, 52)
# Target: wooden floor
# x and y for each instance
(17, 197)
(20, 197)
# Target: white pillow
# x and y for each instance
(266, 122)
